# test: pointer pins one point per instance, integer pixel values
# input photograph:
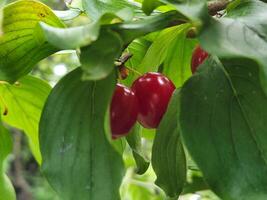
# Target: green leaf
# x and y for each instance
(97, 59)
(168, 157)
(20, 49)
(2, 3)
(149, 5)
(134, 29)
(252, 14)
(223, 114)
(134, 141)
(78, 160)
(158, 51)
(240, 35)
(177, 64)
(172, 49)
(66, 15)
(96, 8)
(195, 10)
(69, 38)
(6, 189)
(138, 49)
(23, 103)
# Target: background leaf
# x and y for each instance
(168, 157)
(20, 49)
(78, 160)
(23, 103)
(134, 141)
(223, 125)
(6, 189)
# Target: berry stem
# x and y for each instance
(134, 71)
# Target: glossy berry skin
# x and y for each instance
(198, 57)
(123, 111)
(153, 91)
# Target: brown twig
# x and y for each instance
(216, 6)
(21, 185)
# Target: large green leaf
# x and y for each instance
(23, 103)
(223, 120)
(168, 157)
(20, 49)
(241, 34)
(78, 160)
(134, 141)
(6, 189)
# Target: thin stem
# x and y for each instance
(134, 71)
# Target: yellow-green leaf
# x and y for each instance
(20, 46)
(22, 104)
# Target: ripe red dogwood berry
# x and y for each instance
(198, 57)
(123, 111)
(153, 91)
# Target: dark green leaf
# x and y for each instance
(22, 104)
(6, 189)
(98, 59)
(20, 49)
(134, 141)
(168, 157)
(240, 35)
(223, 120)
(78, 160)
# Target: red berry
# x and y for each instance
(199, 55)
(123, 111)
(153, 91)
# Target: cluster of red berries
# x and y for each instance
(146, 101)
